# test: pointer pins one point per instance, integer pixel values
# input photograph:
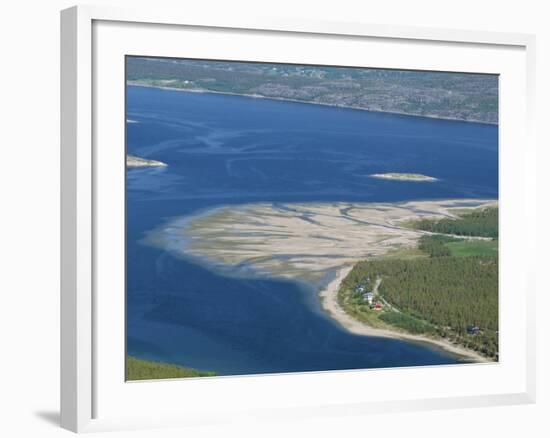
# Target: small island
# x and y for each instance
(417, 177)
(133, 161)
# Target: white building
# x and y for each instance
(369, 297)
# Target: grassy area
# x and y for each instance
(405, 253)
(138, 369)
(439, 245)
(408, 322)
(354, 305)
(467, 248)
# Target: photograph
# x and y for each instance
(290, 218)
(251, 220)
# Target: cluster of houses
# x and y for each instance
(368, 296)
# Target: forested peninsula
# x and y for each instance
(377, 273)
(446, 287)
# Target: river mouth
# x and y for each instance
(300, 241)
(314, 245)
(187, 307)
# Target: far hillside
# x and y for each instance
(457, 96)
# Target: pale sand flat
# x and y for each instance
(308, 241)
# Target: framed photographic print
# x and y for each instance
(289, 218)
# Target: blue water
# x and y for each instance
(224, 150)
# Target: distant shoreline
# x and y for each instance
(257, 96)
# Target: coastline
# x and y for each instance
(282, 99)
(276, 241)
(329, 302)
(304, 241)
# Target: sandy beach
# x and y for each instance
(329, 298)
(303, 241)
(309, 242)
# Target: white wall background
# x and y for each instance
(29, 216)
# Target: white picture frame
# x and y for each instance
(92, 393)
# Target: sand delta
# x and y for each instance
(314, 242)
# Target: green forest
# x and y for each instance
(450, 290)
(482, 223)
(138, 369)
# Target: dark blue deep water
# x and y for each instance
(225, 150)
